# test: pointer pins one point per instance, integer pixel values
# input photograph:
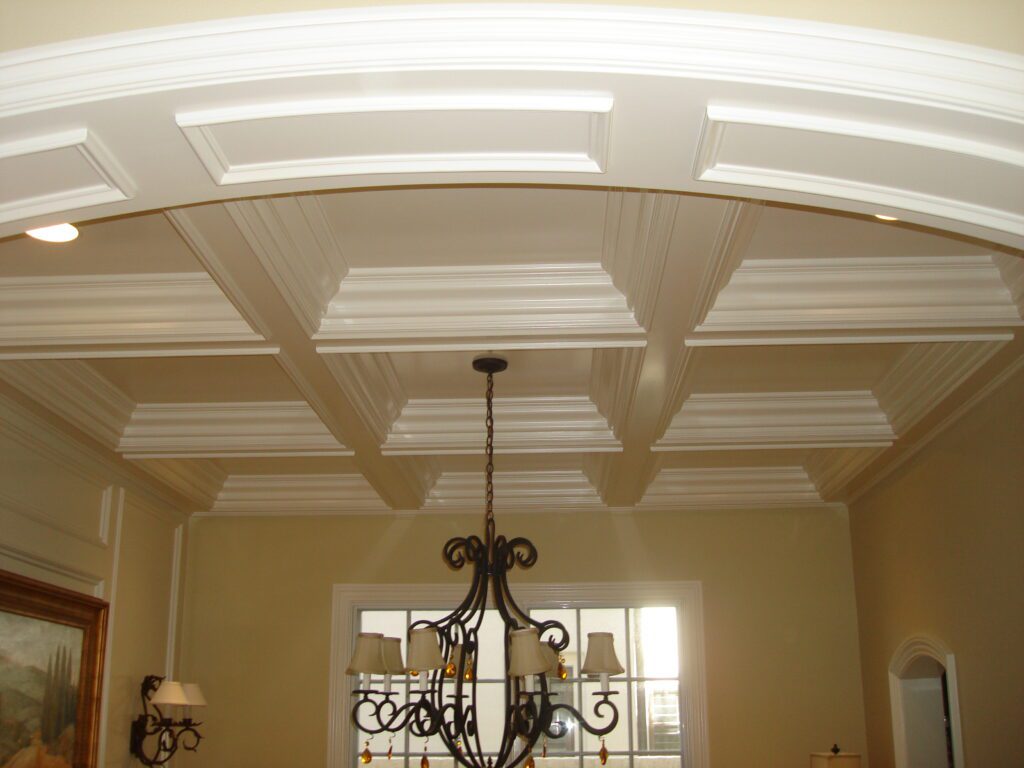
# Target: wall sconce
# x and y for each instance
(169, 733)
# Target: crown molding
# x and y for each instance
(639, 41)
(805, 295)
(296, 245)
(211, 430)
(295, 495)
(514, 491)
(754, 420)
(637, 234)
(371, 384)
(1011, 268)
(730, 487)
(517, 306)
(833, 469)
(198, 481)
(528, 425)
(90, 310)
(614, 381)
(925, 375)
(74, 391)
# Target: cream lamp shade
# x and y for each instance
(393, 656)
(171, 694)
(526, 655)
(368, 655)
(601, 658)
(424, 649)
(194, 694)
(552, 658)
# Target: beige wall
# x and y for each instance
(939, 550)
(71, 517)
(782, 667)
(991, 23)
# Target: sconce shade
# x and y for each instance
(601, 658)
(393, 656)
(424, 649)
(194, 694)
(526, 655)
(170, 694)
(368, 655)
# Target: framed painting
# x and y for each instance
(51, 669)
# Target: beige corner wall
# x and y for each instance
(69, 516)
(780, 625)
(990, 23)
(939, 550)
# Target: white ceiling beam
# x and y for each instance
(295, 495)
(567, 424)
(230, 259)
(372, 385)
(548, 490)
(833, 469)
(529, 306)
(218, 430)
(730, 487)
(762, 420)
(128, 315)
(197, 480)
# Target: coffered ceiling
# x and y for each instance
(698, 308)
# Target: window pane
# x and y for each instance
(655, 642)
(566, 694)
(490, 661)
(656, 716)
(656, 761)
(618, 739)
(490, 708)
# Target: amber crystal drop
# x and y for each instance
(449, 670)
(468, 674)
(544, 749)
(424, 762)
(458, 746)
(563, 673)
(390, 750)
(530, 762)
(603, 754)
(366, 755)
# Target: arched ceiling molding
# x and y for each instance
(599, 95)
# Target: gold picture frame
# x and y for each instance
(53, 711)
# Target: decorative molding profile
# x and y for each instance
(90, 310)
(514, 491)
(528, 425)
(74, 391)
(730, 487)
(371, 384)
(58, 172)
(217, 430)
(911, 651)
(637, 234)
(638, 41)
(295, 495)
(833, 469)
(433, 124)
(614, 380)
(807, 153)
(807, 296)
(925, 375)
(1012, 270)
(198, 481)
(754, 420)
(296, 245)
(530, 306)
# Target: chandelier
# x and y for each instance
(443, 655)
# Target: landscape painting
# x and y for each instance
(40, 665)
(51, 659)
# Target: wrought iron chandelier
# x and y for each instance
(443, 655)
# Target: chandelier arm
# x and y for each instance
(597, 730)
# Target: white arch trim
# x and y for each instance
(715, 83)
(906, 654)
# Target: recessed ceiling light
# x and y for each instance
(883, 217)
(58, 233)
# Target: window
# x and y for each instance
(657, 629)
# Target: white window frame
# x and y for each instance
(685, 596)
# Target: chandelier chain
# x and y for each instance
(490, 453)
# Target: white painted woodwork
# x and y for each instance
(210, 430)
(807, 295)
(254, 495)
(90, 310)
(823, 155)
(547, 490)
(487, 131)
(517, 306)
(833, 469)
(751, 420)
(925, 375)
(373, 386)
(528, 425)
(735, 487)
(53, 172)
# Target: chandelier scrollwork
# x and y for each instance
(444, 655)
